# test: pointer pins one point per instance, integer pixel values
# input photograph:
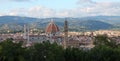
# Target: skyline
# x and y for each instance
(59, 8)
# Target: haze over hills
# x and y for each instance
(108, 19)
(86, 23)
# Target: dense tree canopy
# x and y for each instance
(104, 50)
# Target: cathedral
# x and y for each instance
(54, 35)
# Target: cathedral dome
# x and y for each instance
(52, 28)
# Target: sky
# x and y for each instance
(59, 8)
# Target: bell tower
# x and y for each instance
(65, 34)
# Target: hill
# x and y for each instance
(78, 24)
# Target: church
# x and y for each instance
(54, 35)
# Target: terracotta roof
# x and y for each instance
(52, 28)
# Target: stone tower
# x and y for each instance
(25, 32)
(65, 34)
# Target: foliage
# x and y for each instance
(10, 51)
(104, 50)
(105, 40)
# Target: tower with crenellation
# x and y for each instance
(65, 34)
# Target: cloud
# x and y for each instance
(85, 2)
(40, 11)
(99, 8)
(104, 8)
(1, 14)
(96, 9)
(37, 11)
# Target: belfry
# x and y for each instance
(65, 34)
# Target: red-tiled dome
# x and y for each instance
(52, 28)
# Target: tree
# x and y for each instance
(46, 52)
(104, 40)
(75, 54)
(11, 51)
(102, 53)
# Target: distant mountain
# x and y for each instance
(95, 25)
(78, 24)
(16, 19)
(107, 19)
